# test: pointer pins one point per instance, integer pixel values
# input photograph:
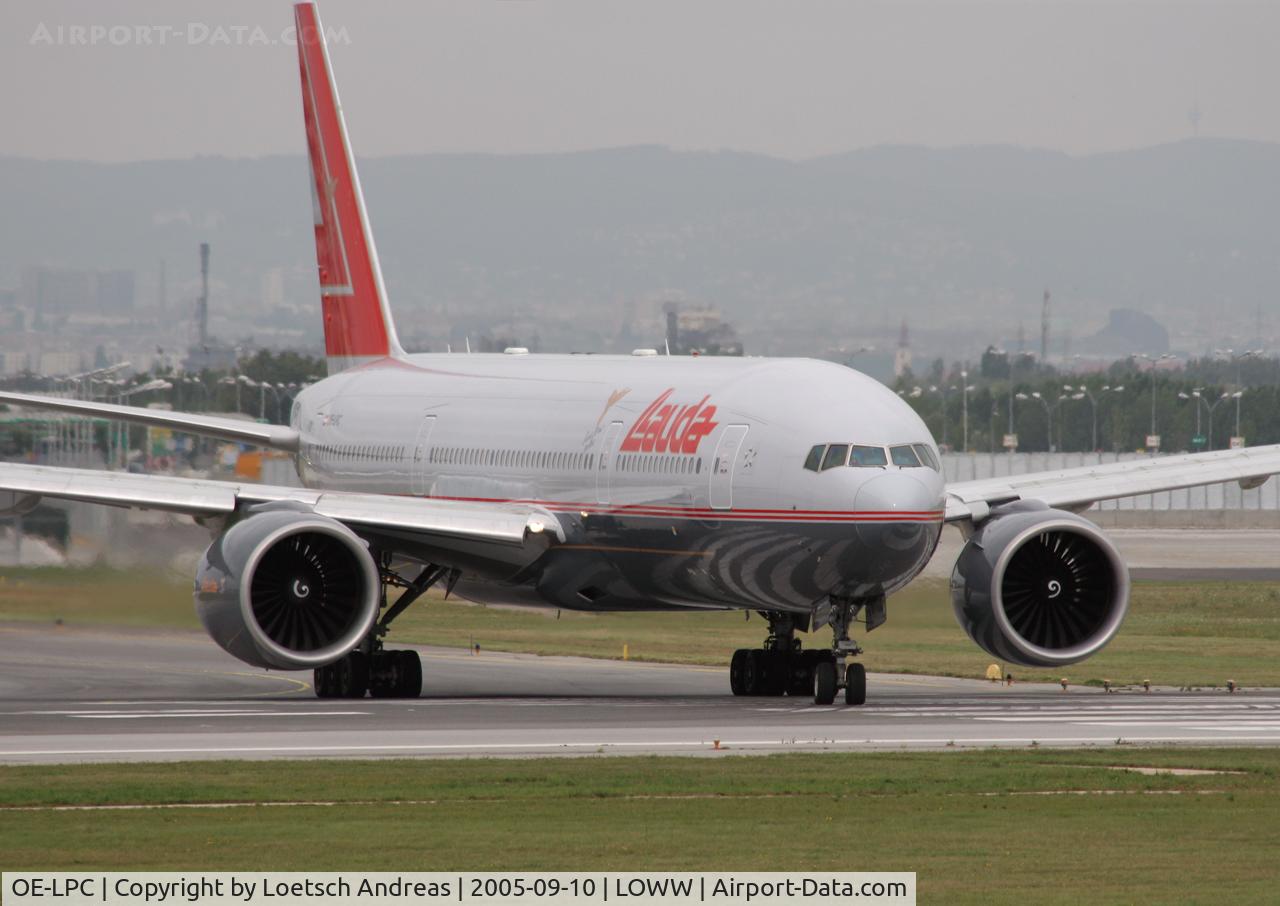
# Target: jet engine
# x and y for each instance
(287, 590)
(1039, 587)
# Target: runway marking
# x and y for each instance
(153, 715)
(726, 745)
(162, 715)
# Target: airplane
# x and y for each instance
(799, 489)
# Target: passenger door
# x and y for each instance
(421, 452)
(604, 468)
(724, 464)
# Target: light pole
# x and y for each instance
(1153, 362)
(264, 386)
(943, 391)
(1214, 405)
(1238, 358)
(199, 385)
(1198, 440)
(156, 384)
(1081, 393)
(1048, 412)
(965, 387)
(236, 382)
(1236, 396)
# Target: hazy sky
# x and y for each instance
(794, 79)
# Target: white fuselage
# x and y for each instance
(681, 481)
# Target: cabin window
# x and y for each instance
(927, 456)
(837, 455)
(905, 457)
(867, 456)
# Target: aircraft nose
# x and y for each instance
(899, 493)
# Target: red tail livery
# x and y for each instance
(357, 320)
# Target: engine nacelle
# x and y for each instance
(287, 590)
(1039, 587)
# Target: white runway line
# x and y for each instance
(727, 746)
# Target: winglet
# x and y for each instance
(357, 318)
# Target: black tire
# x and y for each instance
(777, 664)
(410, 679)
(384, 675)
(351, 676)
(824, 683)
(800, 676)
(855, 685)
(322, 682)
(737, 672)
(753, 678)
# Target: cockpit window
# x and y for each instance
(813, 462)
(904, 456)
(867, 456)
(837, 454)
(927, 456)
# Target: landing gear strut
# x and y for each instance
(372, 668)
(782, 667)
(839, 674)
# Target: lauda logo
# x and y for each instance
(669, 427)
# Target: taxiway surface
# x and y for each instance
(69, 695)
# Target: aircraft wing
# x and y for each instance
(509, 524)
(278, 437)
(1077, 489)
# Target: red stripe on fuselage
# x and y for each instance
(703, 513)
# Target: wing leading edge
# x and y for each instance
(506, 524)
(1079, 488)
(278, 437)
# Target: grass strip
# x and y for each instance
(990, 827)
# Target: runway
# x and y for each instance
(74, 695)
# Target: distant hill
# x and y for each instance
(961, 238)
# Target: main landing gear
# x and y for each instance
(782, 667)
(372, 668)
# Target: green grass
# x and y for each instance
(982, 827)
(1177, 633)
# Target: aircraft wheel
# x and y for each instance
(322, 682)
(737, 672)
(800, 677)
(824, 683)
(855, 685)
(753, 673)
(410, 679)
(777, 675)
(345, 678)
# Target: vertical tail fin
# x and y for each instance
(357, 319)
